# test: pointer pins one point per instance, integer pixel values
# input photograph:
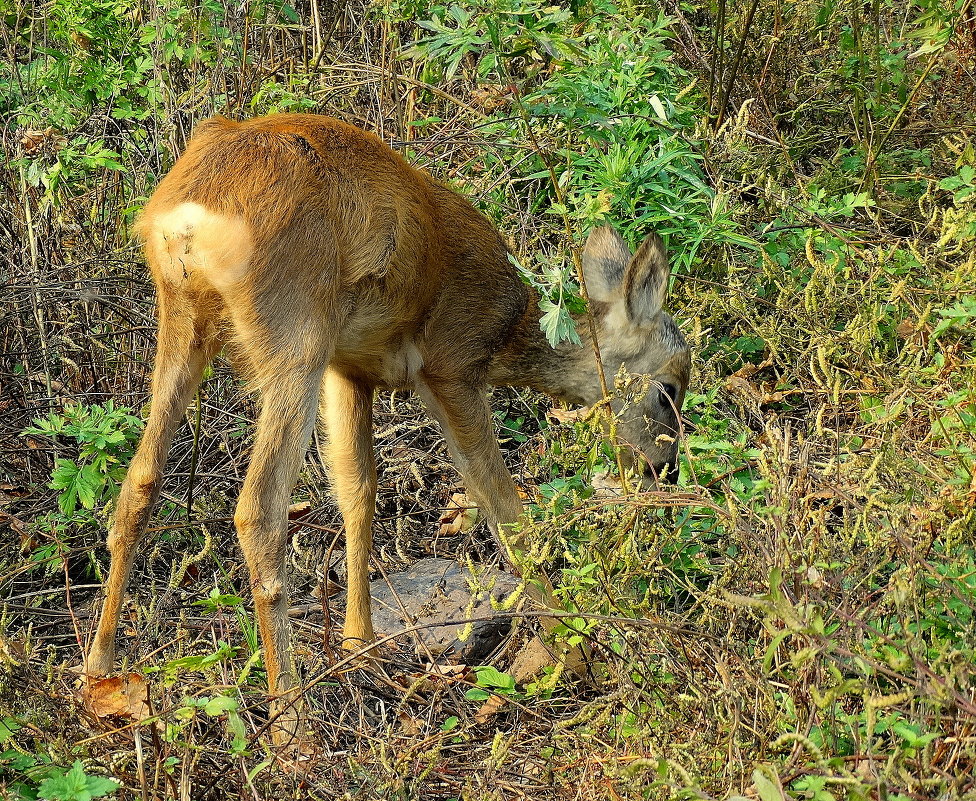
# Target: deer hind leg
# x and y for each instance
(261, 517)
(185, 345)
(348, 413)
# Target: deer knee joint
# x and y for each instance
(246, 520)
(142, 485)
(267, 592)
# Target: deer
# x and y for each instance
(331, 269)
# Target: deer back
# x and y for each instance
(305, 212)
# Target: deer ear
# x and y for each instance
(646, 281)
(605, 260)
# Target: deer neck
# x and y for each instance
(566, 372)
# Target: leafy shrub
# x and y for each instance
(105, 436)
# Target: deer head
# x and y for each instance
(627, 292)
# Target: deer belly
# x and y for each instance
(402, 366)
(389, 365)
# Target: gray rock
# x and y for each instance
(435, 594)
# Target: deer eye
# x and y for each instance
(671, 391)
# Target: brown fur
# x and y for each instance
(334, 269)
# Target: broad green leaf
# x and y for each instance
(220, 705)
(492, 677)
(658, 107)
(76, 785)
(768, 788)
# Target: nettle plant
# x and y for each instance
(105, 436)
(106, 60)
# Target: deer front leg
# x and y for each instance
(463, 412)
(261, 517)
(465, 418)
(348, 413)
(182, 352)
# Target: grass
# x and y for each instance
(794, 620)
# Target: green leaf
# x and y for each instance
(18, 761)
(658, 107)
(450, 724)
(64, 474)
(217, 599)
(491, 677)
(289, 13)
(176, 666)
(8, 727)
(557, 323)
(76, 785)
(258, 768)
(220, 705)
(68, 501)
(771, 650)
(950, 183)
(768, 788)
(89, 484)
(236, 726)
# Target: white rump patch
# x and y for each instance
(189, 239)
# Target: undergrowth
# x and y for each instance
(794, 620)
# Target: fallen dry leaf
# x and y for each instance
(490, 708)
(566, 415)
(19, 527)
(606, 484)
(299, 509)
(12, 652)
(296, 512)
(491, 97)
(124, 696)
(460, 515)
(190, 575)
(410, 725)
(32, 140)
(744, 389)
(530, 661)
(82, 40)
(450, 671)
(749, 369)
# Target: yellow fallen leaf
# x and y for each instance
(489, 709)
(124, 696)
(460, 515)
